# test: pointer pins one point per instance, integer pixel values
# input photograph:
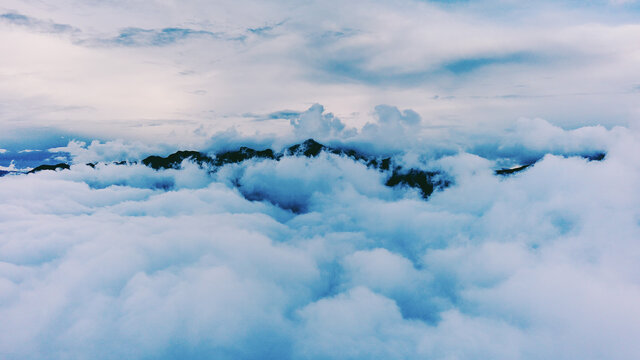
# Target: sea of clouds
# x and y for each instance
(315, 257)
(126, 262)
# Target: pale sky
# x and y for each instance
(181, 71)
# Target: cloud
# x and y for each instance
(390, 114)
(200, 66)
(315, 123)
(530, 139)
(462, 66)
(154, 263)
(31, 23)
(356, 324)
(109, 151)
(155, 37)
(284, 184)
(315, 258)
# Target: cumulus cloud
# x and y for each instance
(109, 151)
(193, 263)
(527, 140)
(316, 123)
(392, 128)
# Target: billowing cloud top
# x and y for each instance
(312, 257)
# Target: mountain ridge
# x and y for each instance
(426, 182)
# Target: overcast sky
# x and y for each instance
(180, 71)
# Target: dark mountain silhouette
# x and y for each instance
(309, 148)
(61, 166)
(244, 153)
(510, 171)
(426, 182)
(597, 156)
(174, 160)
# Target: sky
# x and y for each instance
(180, 71)
(315, 257)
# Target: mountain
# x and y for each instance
(426, 182)
(61, 166)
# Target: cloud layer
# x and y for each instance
(316, 257)
(123, 261)
(178, 72)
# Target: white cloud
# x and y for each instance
(357, 324)
(315, 123)
(110, 151)
(455, 66)
(153, 263)
(123, 261)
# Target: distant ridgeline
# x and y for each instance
(424, 181)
